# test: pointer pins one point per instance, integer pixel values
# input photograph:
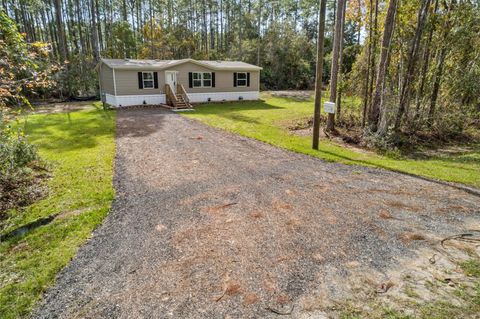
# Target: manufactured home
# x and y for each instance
(177, 83)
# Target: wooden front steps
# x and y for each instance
(178, 100)
(181, 103)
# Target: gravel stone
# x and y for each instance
(208, 224)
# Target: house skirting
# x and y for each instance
(128, 100)
(222, 96)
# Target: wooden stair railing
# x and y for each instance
(183, 93)
(171, 97)
(178, 100)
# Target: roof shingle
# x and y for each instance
(163, 64)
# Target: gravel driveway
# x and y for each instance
(207, 224)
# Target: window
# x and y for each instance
(147, 78)
(207, 79)
(241, 79)
(197, 80)
(202, 79)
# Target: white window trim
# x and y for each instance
(201, 79)
(153, 80)
(246, 81)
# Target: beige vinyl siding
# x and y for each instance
(106, 79)
(223, 79)
(127, 82)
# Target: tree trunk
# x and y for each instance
(319, 72)
(60, 31)
(212, 33)
(99, 28)
(338, 38)
(83, 44)
(152, 46)
(240, 31)
(440, 64)
(436, 84)
(412, 60)
(259, 30)
(372, 60)
(204, 28)
(378, 105)
(369, 57)
(46, 21)
(340, 61)
(124, 11)
(426, 62)
(96, 54)
(220, 44)
(125, 18)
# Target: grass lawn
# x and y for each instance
(265, 121)
(79, 147)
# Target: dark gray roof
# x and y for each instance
(165, 64)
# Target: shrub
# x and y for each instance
(17, 172)
(15, 154)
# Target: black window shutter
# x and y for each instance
(248, 78)
(140, 80)
(213, 79)
(190, 79)
(155, 80)
(234, 79)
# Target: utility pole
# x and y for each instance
(319, 72)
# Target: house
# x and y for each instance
(178, 83)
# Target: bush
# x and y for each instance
(15, 154)
(391, 144)
(449, 126)
(19, 161)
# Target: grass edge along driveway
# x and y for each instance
(80, 148)
(264, 121)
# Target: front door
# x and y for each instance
(171, 79)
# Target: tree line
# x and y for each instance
(413, 64)
(256, 31)
(415, 71)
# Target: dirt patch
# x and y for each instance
(62, 107)
(219, 208)
(347, 135)
(23, 189)
(403, 205)
(409, 237)
(297, 95)
(448, 150)
(385, 215)
(256, 214)
(250, 299)
(431, 281)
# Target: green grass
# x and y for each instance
(80, 149)
(265, 121)
(438, 309)
(471, 267)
